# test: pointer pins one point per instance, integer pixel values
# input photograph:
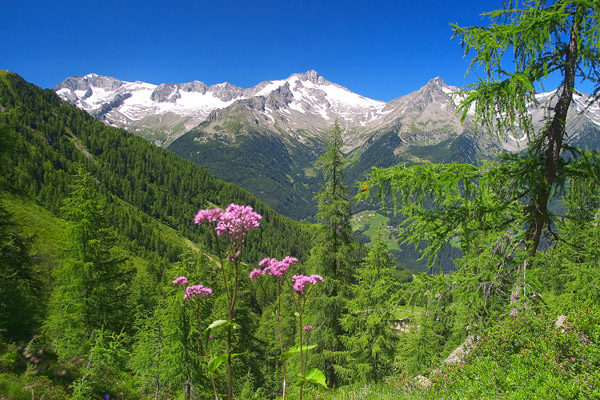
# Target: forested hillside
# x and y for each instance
(49, 139)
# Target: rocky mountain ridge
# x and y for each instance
(305, 100)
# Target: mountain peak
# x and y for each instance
(311, 76)
(436, 82)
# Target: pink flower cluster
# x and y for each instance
(308, 328)
(210, 216)
(236, 222)
(273, 267)
(196, 290)
(300, 281)
(180, 281)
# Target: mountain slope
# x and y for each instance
(143, 183)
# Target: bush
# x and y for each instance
(528, 356)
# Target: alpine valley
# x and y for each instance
(267, 138)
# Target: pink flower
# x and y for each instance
(300, 281)
(180, 281)
(265, 261)
(196, 290)
(308, 328)
(236, 222)
(273, 267)
(256, 272)
(278, 268)
(210, 337)
(573, 359)
(210, 216)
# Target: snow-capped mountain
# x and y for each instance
(306, 101)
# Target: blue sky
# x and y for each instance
(381, 49)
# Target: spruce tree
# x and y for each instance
(19, 285)
(371, 341)
(334, 257)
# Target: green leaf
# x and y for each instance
(215, 324)
(316, 376)
(297, 314)
(295, 350)
(215, 362)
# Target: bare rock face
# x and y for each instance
(78, 83)
(108, 107)
(561, 323)
(281, 97)
(166, 93)
(462, 351)
(195, 86)
(312, 76)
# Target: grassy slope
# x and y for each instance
(49, 232)
(369, 223)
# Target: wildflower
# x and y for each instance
(210, 337)
(265, 261)
(300, 281)
(308, 328)
(236, 222)
(273, 267)
(210, 216)
(256, 272)
(573, 359)
(196, 290)
(180, 281)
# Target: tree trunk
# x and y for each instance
(554, 133)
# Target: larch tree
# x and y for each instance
(90, 284)
(497, 213)
(538, 38)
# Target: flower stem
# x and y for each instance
(279, 334)
(301, 355)
(204, 350)
(230, 305)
